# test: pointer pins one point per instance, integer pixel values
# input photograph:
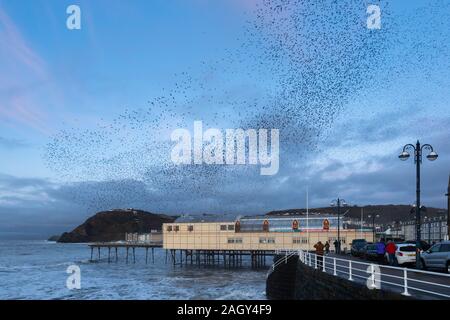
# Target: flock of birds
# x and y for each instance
(302, 62)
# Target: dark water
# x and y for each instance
(37, 270)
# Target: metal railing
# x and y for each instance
(409, 282)
(284, 259)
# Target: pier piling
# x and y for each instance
(228, 258)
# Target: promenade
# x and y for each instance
(408, 281)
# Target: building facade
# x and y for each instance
(259, 233)
(432, 229)
(153, 237)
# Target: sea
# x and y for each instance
(38, 269)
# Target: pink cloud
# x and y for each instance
(24, 68)
(13, 42)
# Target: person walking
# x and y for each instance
(390, 249)
(336, 246)
(319, 252)
(381, 251)
(327, 247)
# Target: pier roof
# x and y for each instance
(208, 218)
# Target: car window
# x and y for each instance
(445, 247)
(435, 248)
(408, 249)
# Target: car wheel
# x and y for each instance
(424, 266)
(448, 267)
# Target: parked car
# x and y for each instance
(369, 252)
(405, 253)
(357, 246)
(438, 256)
(423, 244)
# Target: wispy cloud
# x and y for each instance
(23, 67)
(13, 42)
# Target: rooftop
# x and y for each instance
(208, 218)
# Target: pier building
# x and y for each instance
(263, 233)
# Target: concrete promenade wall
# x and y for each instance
(280, 283)
(297, 281)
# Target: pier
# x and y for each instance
(127, 246)
(227, 258)
(230, 242)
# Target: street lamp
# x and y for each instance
(373, 216)
(448, 209)
(418, 161)
(338, 203)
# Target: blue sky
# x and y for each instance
(86, 115)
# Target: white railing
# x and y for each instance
(409, 281)
(282, 260)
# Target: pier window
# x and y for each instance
(223, 227)
(177, 228)
(169, 228)
(231, 227)
(190, 228)
(299, 240)
(266, 240)
(234, 240)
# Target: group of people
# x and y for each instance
(390, 248)
(321, 248)
(382, 249)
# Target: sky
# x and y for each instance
(86, 115)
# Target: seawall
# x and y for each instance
(296, 281)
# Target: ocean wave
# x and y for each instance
(42, 275)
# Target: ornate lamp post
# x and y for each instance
(418, 149)
(338, 203)
(448, 209)
(373, 216)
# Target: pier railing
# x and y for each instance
(285, 258)
(409, 282)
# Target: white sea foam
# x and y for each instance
(37, 270)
